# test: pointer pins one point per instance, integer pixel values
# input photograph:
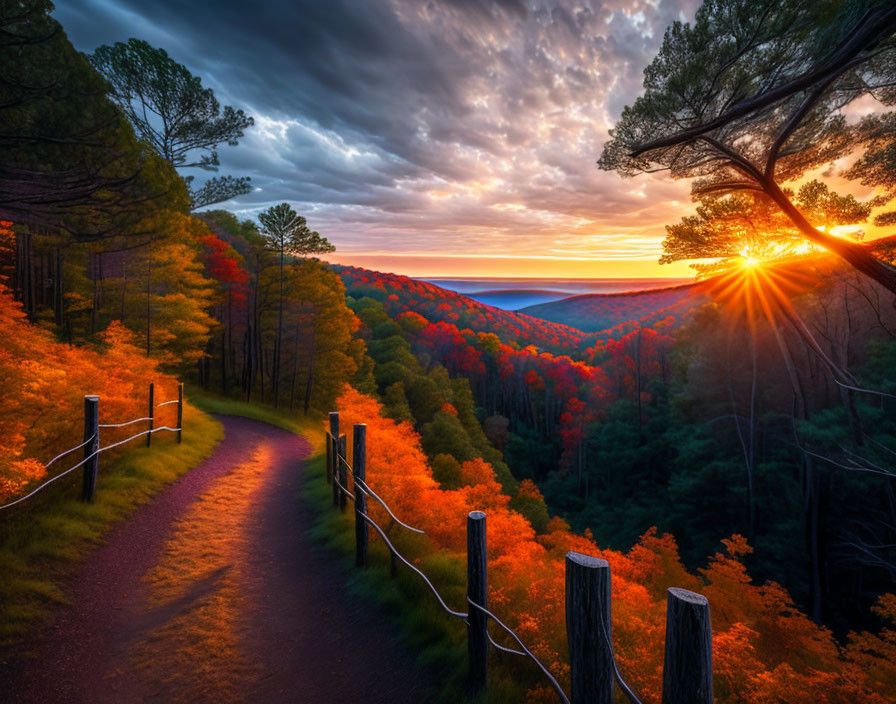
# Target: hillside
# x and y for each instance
(596, 312)
(402, 293)
(601, 316)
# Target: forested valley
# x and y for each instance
(734, 436)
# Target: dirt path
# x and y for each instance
(215, 592)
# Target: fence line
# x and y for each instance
(91, 431)
(448, 609)
(594, 673)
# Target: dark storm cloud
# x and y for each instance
(440, 124)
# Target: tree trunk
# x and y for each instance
(230, 350)
(295, 371)
(124, 286)
(751, 462)
(275, 381)
(148, 291)
(224, 361)
(310, 380)
(29, 277)
(638, 378)
(57, 290)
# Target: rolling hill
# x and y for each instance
(596, 312)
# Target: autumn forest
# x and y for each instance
(733, 435)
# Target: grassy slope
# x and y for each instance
(43, 539)
(438, 639)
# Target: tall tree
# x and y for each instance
(750, 97)
(172, 112)
(69, 161)
(287, 232)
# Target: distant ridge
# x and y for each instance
(402, 293)
(597, 312)
(530, 291)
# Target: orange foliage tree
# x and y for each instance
(42, 385)
(765, 649)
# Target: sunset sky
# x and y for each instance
(449, 137)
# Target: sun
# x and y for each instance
(748, 258)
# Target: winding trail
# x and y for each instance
(214, 591)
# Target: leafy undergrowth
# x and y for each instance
(44, 538)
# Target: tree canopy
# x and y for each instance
(287, 232)
(750, 97)
(172, 112)
(70, 161)
(747, 227)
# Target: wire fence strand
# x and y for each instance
(167, 403)
(121, 425)
(623, 685)
(138, 435)
(397, 554)
(512, 634)
(370, 492)
(502, 648)
(71, 449)
(346, 491)
(47, 483)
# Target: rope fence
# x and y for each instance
(594, 673)
(127, 422)
(68, 451)
(92, 433)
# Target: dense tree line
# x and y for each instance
(764, 648)
(692, 426)
(99, 232)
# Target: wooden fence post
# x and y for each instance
(477, 591)
(393, 565)
(91, 430)
(152, 411)
(343, 471)
(588, 629)
(331, 460)
(687, 668)
(180, 411)
(329, 464)
(332, 472)
(359, 467)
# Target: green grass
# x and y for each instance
(42, 545)
(43, 539)
(438, 639)
(310, 426)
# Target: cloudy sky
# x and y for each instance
(429, 137)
